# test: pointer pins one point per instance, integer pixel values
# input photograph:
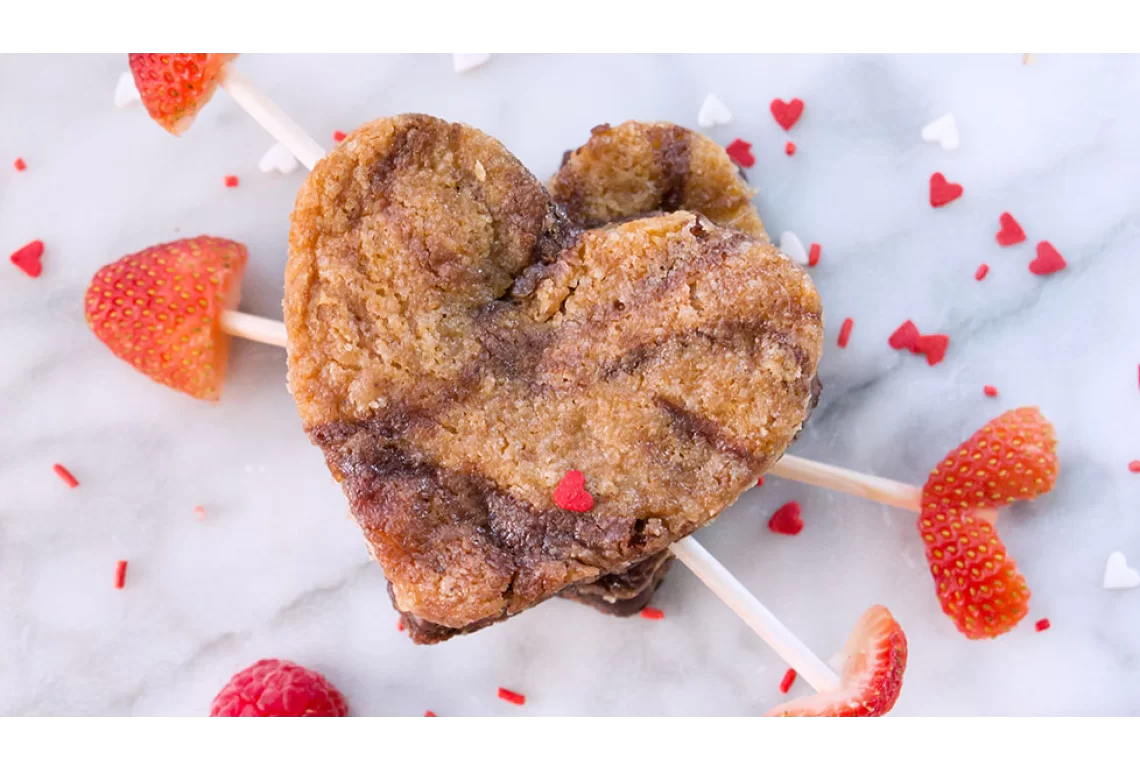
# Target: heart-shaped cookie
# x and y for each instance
(455, 347)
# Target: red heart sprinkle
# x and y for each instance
(813, 254)
(741, 153)
(905, 337)
(981, 272)
(790, 148)
(787, 113)
(1010, 232)
(571, 494)
(941, 191)
(20, 164)
(845, 332)
(1049, 260)
(990, 391)
(760, 481)
(429, 713)
(338, 136)
(786, 520)
(28, 258)
(933, 346)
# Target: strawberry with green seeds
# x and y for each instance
(1011, 458)
(174, 86)
(160, 310)
(874, 663)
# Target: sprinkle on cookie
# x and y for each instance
(339, 136)
(571, 494)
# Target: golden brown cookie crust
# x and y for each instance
(453, 361)
(636, 168)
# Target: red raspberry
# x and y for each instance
(278, 688)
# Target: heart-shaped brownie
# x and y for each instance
(455, 347)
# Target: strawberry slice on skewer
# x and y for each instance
(875, 659)
(174, 86)
(160, 310)
(1011, 458)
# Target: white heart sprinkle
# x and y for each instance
(793, 248)
(1117, 573)
(713, 113)
(278, 158)
(465, 62)
(126, 93)
(944, 131)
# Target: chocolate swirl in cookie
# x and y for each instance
(455, 347)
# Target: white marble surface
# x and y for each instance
(278, 569)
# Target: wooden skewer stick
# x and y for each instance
(270, 117)
(759, 618)
(880, 490)
(252, 327)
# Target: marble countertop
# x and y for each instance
(277, 568)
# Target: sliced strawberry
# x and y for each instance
(1013, 457)
(160, 310)
(174, 86)
(977, 582)
(875, 659)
